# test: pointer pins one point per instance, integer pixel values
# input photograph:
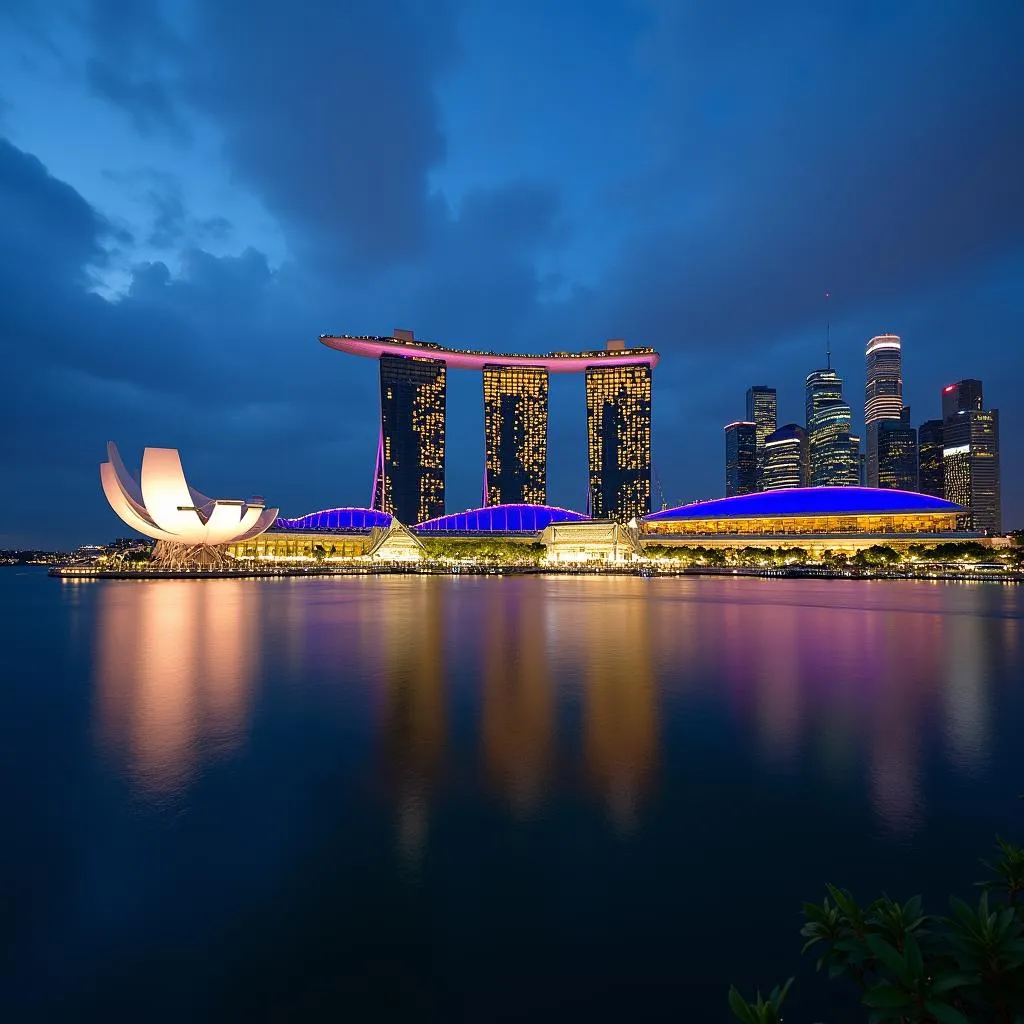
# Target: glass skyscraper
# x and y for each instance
(883, 394)
(409, 481)
(828, 419)
(931, 477)
(619, 440)
(897, 455)
(970, 456)
(785, 459)
(516, 434)
(762, 410)
(740, 458)
(963, 396)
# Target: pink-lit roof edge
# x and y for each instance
(463, 359)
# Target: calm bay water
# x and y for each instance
(481, 799)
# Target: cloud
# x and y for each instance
(819, 147)
(134, 49)
(772, 153)
(49, 231)
(219, 360)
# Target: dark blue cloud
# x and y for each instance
(688, 176)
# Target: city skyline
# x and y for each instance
(178, 239)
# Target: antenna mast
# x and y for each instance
(828, 335)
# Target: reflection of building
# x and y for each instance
(619, 441)
(409, 480)
(175, 663)
(621, 737)
(785, 459)
(970, 460)
(740, 458)
(414, 697)
(896, 445)
(516, 432)
(829, 445)
(518, 713)
(931, 477)
(762, 405)
(883, 393)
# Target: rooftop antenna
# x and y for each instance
(828, 335)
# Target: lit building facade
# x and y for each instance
(740, 458)
(828, 422)
(820, 387)
(883, 393)
(785, 459)
(931, 476)
(813, 519)
(409, 480)
(970, 459)
(409, 475)
(619, 440)
(896, 442)
(762, 410)
(516, 434)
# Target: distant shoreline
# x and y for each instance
(418, 569)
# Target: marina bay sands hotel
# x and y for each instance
(409, 474)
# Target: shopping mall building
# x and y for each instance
(816, 519)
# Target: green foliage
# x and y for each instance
(876, 555)
(912, 967)
(760, 1011)
(489, 551)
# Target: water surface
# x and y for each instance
(481, 799)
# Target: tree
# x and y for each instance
(913, 967)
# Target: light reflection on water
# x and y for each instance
(482, 798)
(567, 679)
(175, 664)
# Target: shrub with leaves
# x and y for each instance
(967, 968)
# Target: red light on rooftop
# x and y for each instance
(951, 387)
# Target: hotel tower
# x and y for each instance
(619, 440)
(516, 434)
(409, 477)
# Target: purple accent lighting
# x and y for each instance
(501, 519)
(338, 519)
(809, 501)
(378, 470)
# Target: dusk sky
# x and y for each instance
(192, 192)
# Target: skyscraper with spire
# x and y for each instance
(828, 421)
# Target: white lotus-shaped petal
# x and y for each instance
(166, 508)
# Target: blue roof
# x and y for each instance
(336, 519)
(810, 501)
(502, 519)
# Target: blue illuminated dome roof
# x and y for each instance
(336, 519)
(810, 501)
(502, 519)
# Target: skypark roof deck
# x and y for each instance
(472, 359)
